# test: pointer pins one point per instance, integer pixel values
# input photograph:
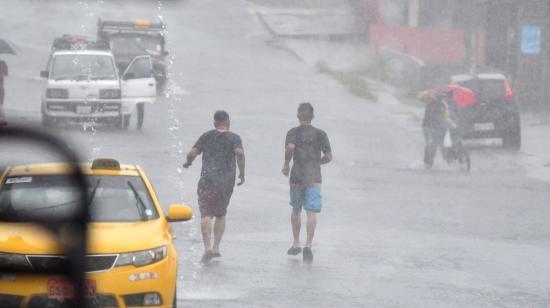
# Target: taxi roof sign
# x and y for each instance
(142, 24)
(105, 164)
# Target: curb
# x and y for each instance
(277, 37)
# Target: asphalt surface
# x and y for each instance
(390, 235)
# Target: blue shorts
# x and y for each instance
(307, 197)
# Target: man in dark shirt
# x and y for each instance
(3, 73)
(219, 148)
(309, 148)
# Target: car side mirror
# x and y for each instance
(44, 74)
(129, 75)
(179, 212)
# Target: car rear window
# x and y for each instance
(487, 90)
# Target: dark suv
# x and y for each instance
(495, 115)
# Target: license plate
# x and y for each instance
(61, 289)
(484, 126)
(83, 109)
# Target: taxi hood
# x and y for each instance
(103, 237)
(126, 237)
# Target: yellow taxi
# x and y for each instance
(131, 260)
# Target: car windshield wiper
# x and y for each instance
(92, 194)
(139, 204)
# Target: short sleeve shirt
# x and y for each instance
(310, 143)
(218, 159)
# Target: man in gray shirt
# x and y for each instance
(309, 148)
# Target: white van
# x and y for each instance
(84, 86)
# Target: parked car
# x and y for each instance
(496, 114)
(84, 85)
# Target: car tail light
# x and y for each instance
(508, 93)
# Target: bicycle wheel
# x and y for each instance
(464, 160)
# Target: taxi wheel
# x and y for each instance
(175, 302)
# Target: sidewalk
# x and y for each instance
(324, 31)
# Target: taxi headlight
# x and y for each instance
(10, 261)
(142, 258)
(57, 93)
(109, 93)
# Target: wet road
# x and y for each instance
(390, 235)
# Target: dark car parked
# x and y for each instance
(496, 114)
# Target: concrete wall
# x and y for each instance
(431, 45)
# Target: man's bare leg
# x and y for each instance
(206, 229)
(219, 228)
(311, 224)
(296, 222)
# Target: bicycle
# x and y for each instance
(454, 152)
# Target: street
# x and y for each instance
(390, 235)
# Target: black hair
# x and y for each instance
(221, 116)
(305, 112)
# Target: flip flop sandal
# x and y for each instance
(207, 257)
(308, 255)
(293, 251)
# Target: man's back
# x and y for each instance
(218, 158)
(310, 143)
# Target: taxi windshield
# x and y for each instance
(83, 67)
(111, 198)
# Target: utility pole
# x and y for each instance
(473, 24)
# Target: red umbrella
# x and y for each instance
(463, 96)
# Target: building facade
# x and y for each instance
(518, 34)
(511, 36)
